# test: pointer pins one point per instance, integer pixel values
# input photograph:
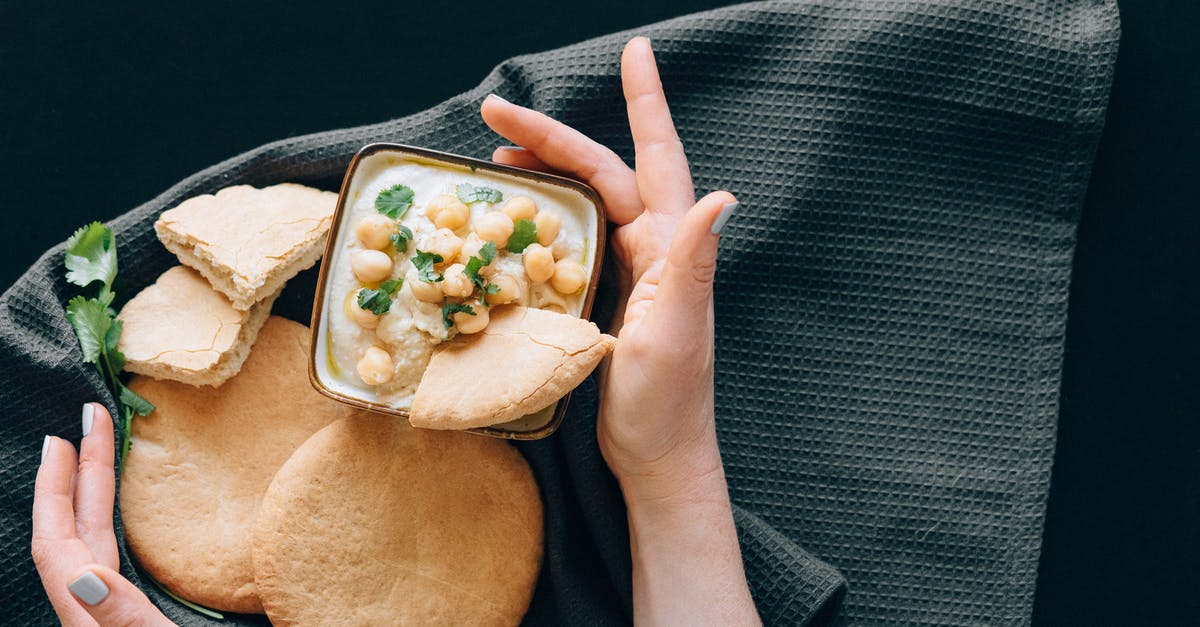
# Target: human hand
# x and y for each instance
(74, 547)
(655, 426)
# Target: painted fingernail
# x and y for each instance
(89, 588)
(723, 217)
(89, 416)
(45, 447)
(496, 97)
(510, 148)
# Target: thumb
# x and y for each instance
(685, 287)
(111, 599)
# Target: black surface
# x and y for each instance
(102, 108)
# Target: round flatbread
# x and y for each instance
(200, 463)
(373, 522)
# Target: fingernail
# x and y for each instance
(496, 97)
(510, 148)
(89, 588)
(89, 416)
(723, 217)
(45, 447)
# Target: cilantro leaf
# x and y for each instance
(114, 357)
(449, 309)
(424, 263)
(401, 238)
(394, 201)
(468, 193)
(487, 253)
(135, 402)
(379, 301)
(90, 319)
(91, 256)
(524, 234)
(490, 288)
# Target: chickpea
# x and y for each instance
(561, 249)
(496, 227)
(375, 367)
(358, 315)
(569, 276)
(519, 208)
(424, 292)
(455, 282)
(548, 225)
(508, 289)
(442, 242)
(466, 323)
(470, 248)
(375, 231)
(539, 263)
(448, 212)
(371, 266)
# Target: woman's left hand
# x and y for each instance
(74, 547)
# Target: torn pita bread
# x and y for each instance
(181, 329)
(373, 522)
(525, 360)
(248, 242)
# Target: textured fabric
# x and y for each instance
(891, 298)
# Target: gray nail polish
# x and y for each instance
(723, 217)
(89, 588)
(497, 97)
(45, 447)
(89, 416)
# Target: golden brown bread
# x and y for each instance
(372, 522)
(200, 463)
(525, 360)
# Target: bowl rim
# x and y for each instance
(538, 178)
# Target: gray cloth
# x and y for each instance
(891, 298)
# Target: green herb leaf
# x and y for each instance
(424, 263)
(394, 201)
(135, 402)
(113, 357)
(449, 309)
(490, 288)
(91, 256)
(401, 238)
(524, 234)
(91, 320)
(487, 253)
(379, 301)
(468, 193)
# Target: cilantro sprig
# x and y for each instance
(451, 308)
(394, 201)
(487, 253)
(91, 257)
(379, 301)
(524, 234)
(401, 238)
(424, 262)
(469, 193)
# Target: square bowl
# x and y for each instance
(430, 173)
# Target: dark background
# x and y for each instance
(103, 107)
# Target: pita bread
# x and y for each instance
(181, 329)
(544, 354)
(372, 522)
(248, 242)
(200, 463)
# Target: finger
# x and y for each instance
(95, 485)
(683, 299)
(662, 169)
(111, 599)
(53, 510)
(566, 149)
(520, 158)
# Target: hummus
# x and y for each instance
(400, 279)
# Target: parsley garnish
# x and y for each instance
(394, 201)
(468, 193)
(524, 234)
(379, 301)
(449, 309)
(424, 263)
(401, 238)
(91, 256)
(487, 253)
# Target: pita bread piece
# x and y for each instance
(248, 242)
(372, 522)
(181, 329)
(200, 463)
(531, 357)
